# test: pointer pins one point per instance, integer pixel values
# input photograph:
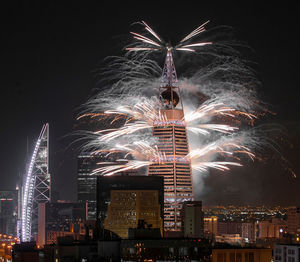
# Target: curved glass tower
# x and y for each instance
(36, 187)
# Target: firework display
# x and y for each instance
(164, 127)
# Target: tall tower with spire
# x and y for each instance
(173, 144)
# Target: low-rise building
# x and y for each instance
(210, 226)
(242, 255)
(60, 219)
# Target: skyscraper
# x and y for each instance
(173, 144)
(86, 183)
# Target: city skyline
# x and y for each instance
(43, 89)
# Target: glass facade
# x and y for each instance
(86, 183)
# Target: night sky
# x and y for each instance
(50, 53)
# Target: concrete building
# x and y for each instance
(246, 230)
(210, 226)
(27, 251)
(192, 219)
(293, 220)
(286, 253)
(121, 182)
(242, 255)
(270, 229)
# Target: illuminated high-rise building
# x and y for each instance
(173, 144)
(86, 183)
(36, 186)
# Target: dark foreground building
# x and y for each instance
(8, 212)
(60, 219)
(128, 250)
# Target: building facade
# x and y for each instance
(105, 184)
(245, 230)
(87, 181)
(192, 219)
(287, 253)
(270, 229)
(210, 226)
(128, 207)
(293, 220)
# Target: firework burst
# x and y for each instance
(220, 128)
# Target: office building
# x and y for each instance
(192, 219)
(8, 212)
(105, 184)
(87, 182)
(128, 207)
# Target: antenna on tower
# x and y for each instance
(169, 76)
(169, 82)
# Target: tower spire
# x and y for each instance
(169, 76)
